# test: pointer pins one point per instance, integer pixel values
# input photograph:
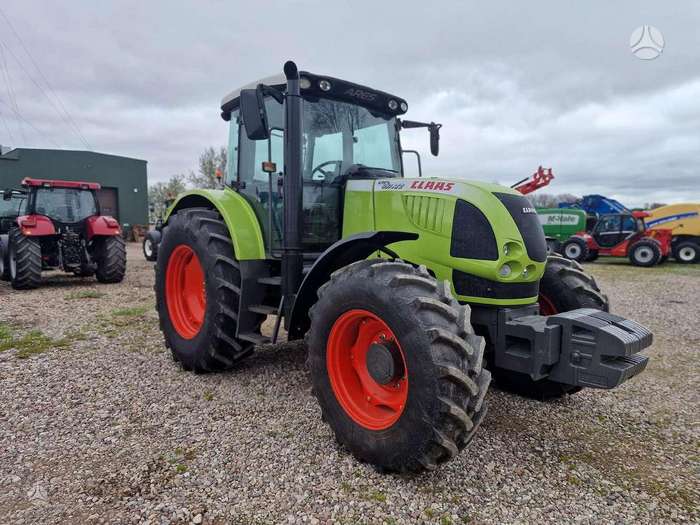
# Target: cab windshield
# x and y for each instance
(65, 204)
(12, 207)
(340, 138)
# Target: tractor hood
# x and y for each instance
(484, 238)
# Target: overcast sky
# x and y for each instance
(515, 84)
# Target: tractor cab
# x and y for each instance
(348, 132)
(12, 205)
(612, 229)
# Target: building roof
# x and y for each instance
(13, 153)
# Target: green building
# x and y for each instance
(124, 193)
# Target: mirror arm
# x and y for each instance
(274, 93)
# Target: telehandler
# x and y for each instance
(402, 288)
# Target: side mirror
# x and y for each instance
(254, 114)
(434, 130)
(7, 195)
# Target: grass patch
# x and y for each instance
(132, 311)
(85, 294)
(33, 342)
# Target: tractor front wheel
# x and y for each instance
(645, 253)
(197, 292)
(564, 286)
(575, 249)
(150, 248)
(111, 259)
(24, 260)
(396, 366)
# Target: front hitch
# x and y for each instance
(584, 347)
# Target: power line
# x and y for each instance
(67, 118)
(10, 91)
(19, 116)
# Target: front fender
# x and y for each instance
(238, 214)
(346, 251)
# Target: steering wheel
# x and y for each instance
(326, 174)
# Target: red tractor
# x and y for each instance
(60, 227)
(621, 235)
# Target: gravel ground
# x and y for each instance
(98, 424)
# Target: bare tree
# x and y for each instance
(210, 161)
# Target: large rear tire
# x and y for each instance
(686, 252)
(564, 286)
(111, 260)
(24, 261)
(197, 290)
(396, 366)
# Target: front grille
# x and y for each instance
(474, 286)
(522, 211)
(472, 235)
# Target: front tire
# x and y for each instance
(150, 248)
(564, 286)
(24, 261)
(575, 249)
(396, 366)
(645, 253)
(111, 260)
(197, 290)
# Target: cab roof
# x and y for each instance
(378, 102)
(51, 183)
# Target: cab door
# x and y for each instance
(608, 231)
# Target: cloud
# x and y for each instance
(515, 85)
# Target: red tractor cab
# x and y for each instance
(60, 227)
(621, 235)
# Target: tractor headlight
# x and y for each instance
(505, 270)
(304, 83)
(404, 107)
(393, 105)
(325, 85)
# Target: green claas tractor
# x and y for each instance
(404, 289)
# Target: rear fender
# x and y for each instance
(35, 225)
(101, 225)
(346, 251)
(238, 214)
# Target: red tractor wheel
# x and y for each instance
(396, 366)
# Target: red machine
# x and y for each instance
(61, 228)
(621, 235)
(541, 178)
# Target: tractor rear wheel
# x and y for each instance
(111, 259)
(563, 287)
(575, 249)
(197, 290)
(24, 260)
(396, 366)
(686, 252)
(645, 253)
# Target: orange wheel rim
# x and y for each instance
(547, 306)
(184, 291)
(369, 403)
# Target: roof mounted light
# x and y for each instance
(404, 107)
(393, 105)
(304, 82)
(325, 85)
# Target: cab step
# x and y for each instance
(257, 339)
(263, 309)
